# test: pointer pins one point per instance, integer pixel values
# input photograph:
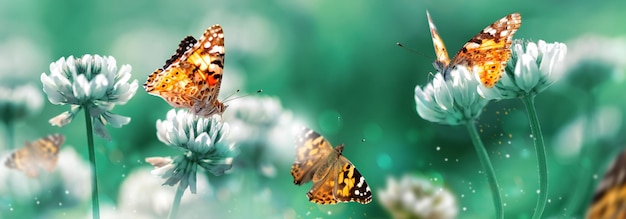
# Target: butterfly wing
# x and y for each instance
(185, 45)
(609, 201)
(173, 83)
(41, 154)
(442, 61)
(351, 185)
(312, 150)
(208, 58)
(324, 184)
(22, 160)
(47, 151)
(192, 77)
(489, 50)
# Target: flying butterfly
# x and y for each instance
(335, 179)
(39, 155)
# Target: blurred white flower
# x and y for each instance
(74, 172)
(413, 197)
(68, 179)
(17, 186)
(14, 49)
(19, 102)
(261, 129)
(142, 193)
(604, 125)
(91, 82)
(529, 71)
(203, 143)
(593, 59)
(110, 211)
(256, 204)
(451, 101)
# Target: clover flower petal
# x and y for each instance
(203, 143)
(450, 101)
(90, 82)
(529, 71)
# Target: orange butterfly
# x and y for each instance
(335, 179)
(36, 156)
(191, 78)
(488, 51)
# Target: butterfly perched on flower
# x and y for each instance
(609, 200)
(335, 179)
(488, 51)
(41, 154)
(192, 77)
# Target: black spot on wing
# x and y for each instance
(218, 63)
(183, 47)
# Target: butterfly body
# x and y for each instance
(192, 77)
(487, 52)
(334, 177)
(41, 154)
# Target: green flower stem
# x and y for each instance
(179, 194)
(489, 171)
(95, 209)
(540, 149)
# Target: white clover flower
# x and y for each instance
(203, 143)
(90, 82)
(413, 197)
(19, 102)
(529, 71)
(453, 101)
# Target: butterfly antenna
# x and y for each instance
(413, 51)
(231, 95)
(234, 98)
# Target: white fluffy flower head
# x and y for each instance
(450, 101)
(414, 197)
(529, 71)
(202, 142)
(92, 82)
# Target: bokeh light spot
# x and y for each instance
(372, 132)
(384, 161)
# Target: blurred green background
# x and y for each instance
(334, 66)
